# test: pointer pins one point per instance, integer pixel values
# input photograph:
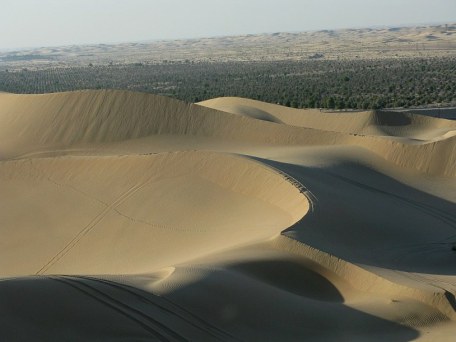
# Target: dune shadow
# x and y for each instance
(292, 277)
(366, 217)
(222, 305)
(451, 299)
(390, 118)
(251, 305)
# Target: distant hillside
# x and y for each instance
(384, 42)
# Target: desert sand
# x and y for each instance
(420, 41)
(128, 216)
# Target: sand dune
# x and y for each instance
(136, 217)
(382, 123)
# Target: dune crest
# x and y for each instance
(230, 219)
(34, 123)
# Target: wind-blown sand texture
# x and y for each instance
(128, 216)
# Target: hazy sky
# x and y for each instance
(30, 23)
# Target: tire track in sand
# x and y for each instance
(84, 231)
(165, 305)
(159, 331)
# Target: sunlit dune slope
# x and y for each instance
(31, 123)
(388, 123)
(407, 139)
(132, 216)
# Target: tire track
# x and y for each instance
(155, 328)
(169, 307)
(187, 229)
(311, 198)
(65, 185)
(84, 231)
(436, 213)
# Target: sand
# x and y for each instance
(422, 41)
(128, 216)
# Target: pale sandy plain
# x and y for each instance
(347, 44)
(133, 217)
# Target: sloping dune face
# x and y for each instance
(376, 123)
(407, 139)
(231, 219)
(133, 214)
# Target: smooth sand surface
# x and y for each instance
(133, 217)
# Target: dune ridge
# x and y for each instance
(236, 183)
(100, 117)
(181, 221)
(337, 121)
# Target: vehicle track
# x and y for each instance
(436, 213)
(166, 305)
(129, 300)
(84, 231)
(151, 325)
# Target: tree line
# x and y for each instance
(334, 84)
